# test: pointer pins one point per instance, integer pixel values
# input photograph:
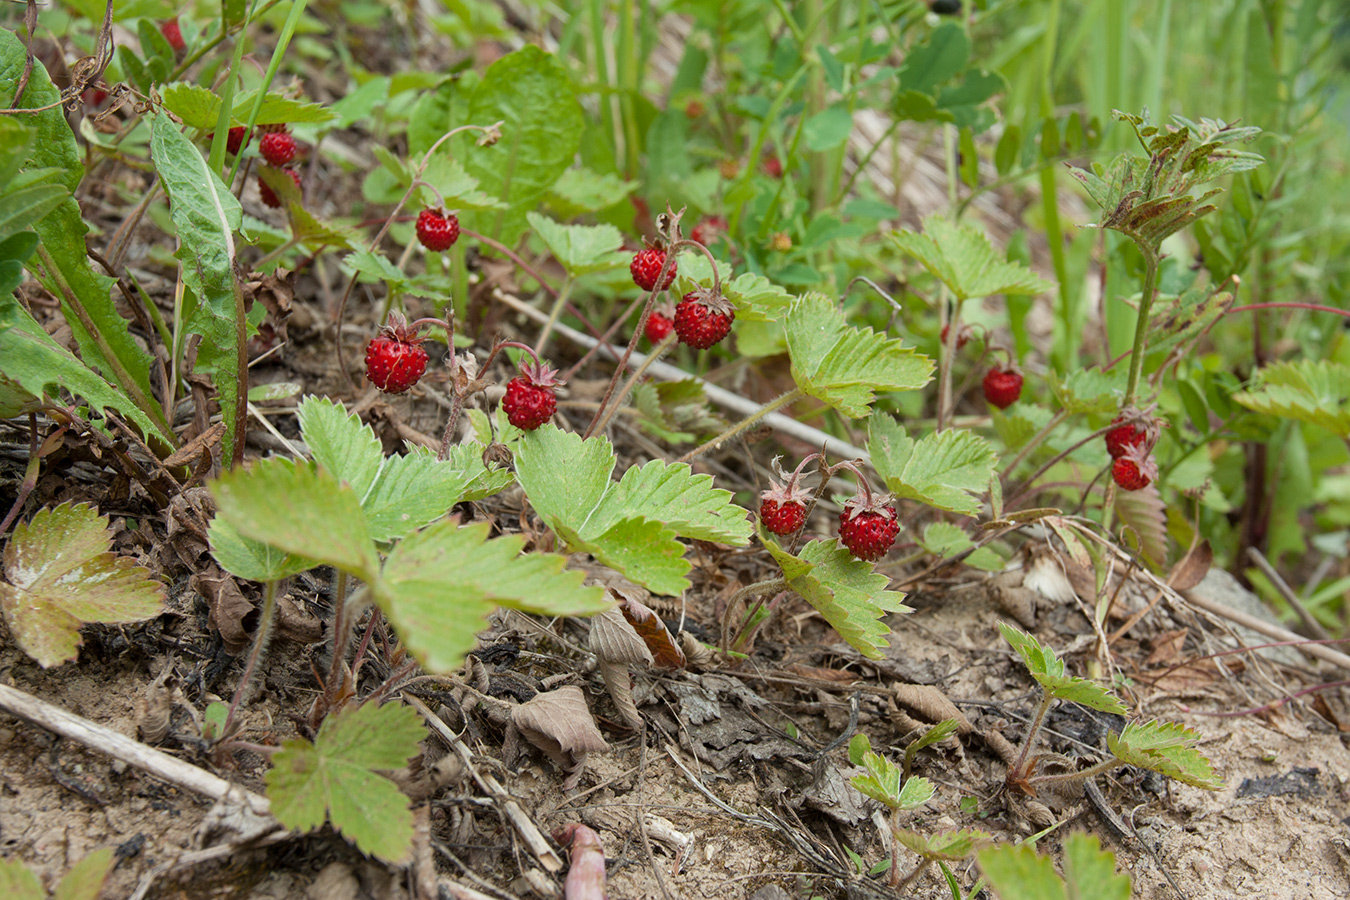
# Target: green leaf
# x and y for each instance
(948, 845)
(199, 107)
(85, 879)
(458, 189)
(413, 490)
(846, 591)
(1315, 391)
(206, 216)
(935, 735)
(340, 443)
(916, 792)
(38, 365)
(1090, 390)
(1018, 873)
(254, 560)
(844, 366)
(483, 481)
(439, 586)
(300, 509)
(580, 190)
(28, 206)
(62, 574)
(1048, 670)
(376, 267)
(531, 94)
(828, 128)
(1167, 748)
(961, 257)
(1038, 659)
(947, 470)
(882, 781)
(18, 882)
(334, 778)
(936, 60)
(633, 525)
(944, 539)
(106, 343)
(756, 298)
(581, 248)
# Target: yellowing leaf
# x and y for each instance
(334, 778)
(62, 574)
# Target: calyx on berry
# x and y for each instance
(703, 317)
(1135, 469)
(529, 400)
(395, 360)
(1132, 428)
(782, 507)
(869, 524)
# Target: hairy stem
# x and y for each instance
(790, 397)
(254, 656)
(1015, 773)
(1141, 322)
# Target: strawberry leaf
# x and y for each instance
(484, 480)
(1309, 391)
(1048, 669)
(846, 591)
(62, 574)
(1143, 511)
(1038, 659)
(334, 778)
(85, 879)
(845, 366)
(252, 559)
(631, 526)
(948, 845)
(17, 882)
(961, 257)
(301, 509)
(882, 781)
(916, 792)
(947, 470)
(440, 584)
(1167, 748)
(340, 443)
(1019, 873)
(581, 249)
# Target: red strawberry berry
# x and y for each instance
(773, 166)
(1002, 387)
(1132, 429)
(703, 318)
(708, 230)
(395, 360)
(268, 196)
(782, 518)
(658, 327)
(236, 139)
(529, 400)
(646, 268)
(173, 34)
(277, 147)
(868, 528)
(1134, 469)
(962, 336)
(436, 230)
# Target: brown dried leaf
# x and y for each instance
(930, 704)
(664, 651)
(232, 614)
(1192, 568)
(560, 724)
(613, 639)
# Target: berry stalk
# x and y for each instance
(790, 397)
(655, 353)
(1151, 261)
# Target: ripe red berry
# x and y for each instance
(529, 400)
(868, 533)
(702, 319)
(395, 360)
(437, 231)
(1134, 469)
(1132, 429)
(708, 230)
(277, 147)
(658, 327)
(773, 166)
(962, 336)
(1002, 387)
(268, 196)
(173, 34)
(646, 267)
(782, 518)
(236, 139)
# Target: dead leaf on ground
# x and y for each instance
(232, 614)
(559, 723)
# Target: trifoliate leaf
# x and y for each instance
(374, 267)
(1016, 872)
(845, 366)
(944, 539)
(440, 584)
(62, 574)
(846, 591)
(1039, 660)
(458, 189)
(882, 781)
(1048, 669)
(301, 509)
(961, 257)
(946, 470)
(1315, 391)
(334, 777)
(948, 845)
(580, 248)
(1167, 748)
(632, 526)
(1090, 390)
(254, 560)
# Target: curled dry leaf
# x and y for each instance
(930, 704)
(616, 644)
(1192, 568)
(232, 614)
(586, 875)
(665, 652)
(296, 622)
(559, 723)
